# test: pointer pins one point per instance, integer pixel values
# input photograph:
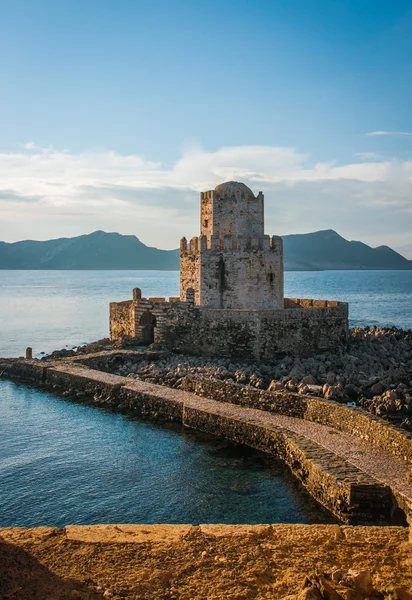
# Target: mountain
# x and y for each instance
(321, 250)
(327, 250)
(98, 250)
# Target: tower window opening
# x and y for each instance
(206, 223)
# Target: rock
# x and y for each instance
(318, 583)
(377, 389)
(296, 372)
(275, 386)
(338, 574)
(333, 392)
(360, 581)
(310, 593)
(309, 380)
(314, 390)
(398, 593)
(330, 378)
(406, 425)
(380, 410)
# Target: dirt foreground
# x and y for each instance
(182, 562)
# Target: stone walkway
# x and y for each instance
(376, 462)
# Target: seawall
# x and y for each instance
(354, 496)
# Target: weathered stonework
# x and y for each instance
(349, 493)
(231, 292)
(232, 265)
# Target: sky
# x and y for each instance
(115, 114)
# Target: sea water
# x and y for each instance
(62, 462)
(49, 310)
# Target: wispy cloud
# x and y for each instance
(406, 133)
(368, 155)
(48, 192)
(13, 196)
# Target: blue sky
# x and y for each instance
(115, 113)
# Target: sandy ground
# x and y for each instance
(181, 562)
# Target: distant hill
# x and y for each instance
(327, 250)
(322, 250)
(98, 250)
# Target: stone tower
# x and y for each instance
(232, 264)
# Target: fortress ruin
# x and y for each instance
(231, 300)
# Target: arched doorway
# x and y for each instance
(147, 323)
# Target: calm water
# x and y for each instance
(66, 463)
(52, 309)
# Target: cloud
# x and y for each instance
(407, 133)
(13, 196)
(70, 193)
(368, 155)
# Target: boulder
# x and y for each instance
(275, 386)
(330, 378)
(308, 380)
(360, 581)
(377, 389)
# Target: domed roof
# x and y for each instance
(231, 188)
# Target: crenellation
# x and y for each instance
(231, 299)
(137, 295)
(228, 242)
(276, 243)
(190, 295)
(194, 244)
(214, 242)
(266, 242)
(203, 243)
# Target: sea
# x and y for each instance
(62, 462)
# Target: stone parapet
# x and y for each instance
(347, 492)
(352, 420)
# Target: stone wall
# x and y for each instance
(190, 267)
(121, 319)
(222, 390)
(233, 264)
(231, 211)
(342, 488)
(361, 424)
(349, 419)
(353, 496)
(233, 271)
(242, 273)
(254, 335)
(310, 326)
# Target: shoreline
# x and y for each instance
(360, 474)
(185, 562)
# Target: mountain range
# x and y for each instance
(321, 250)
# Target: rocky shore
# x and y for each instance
(374, 372)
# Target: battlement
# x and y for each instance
(151, 302)
(291, 303)
(231, 292)
(229, 242)
(211, 194)
(302, 327)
